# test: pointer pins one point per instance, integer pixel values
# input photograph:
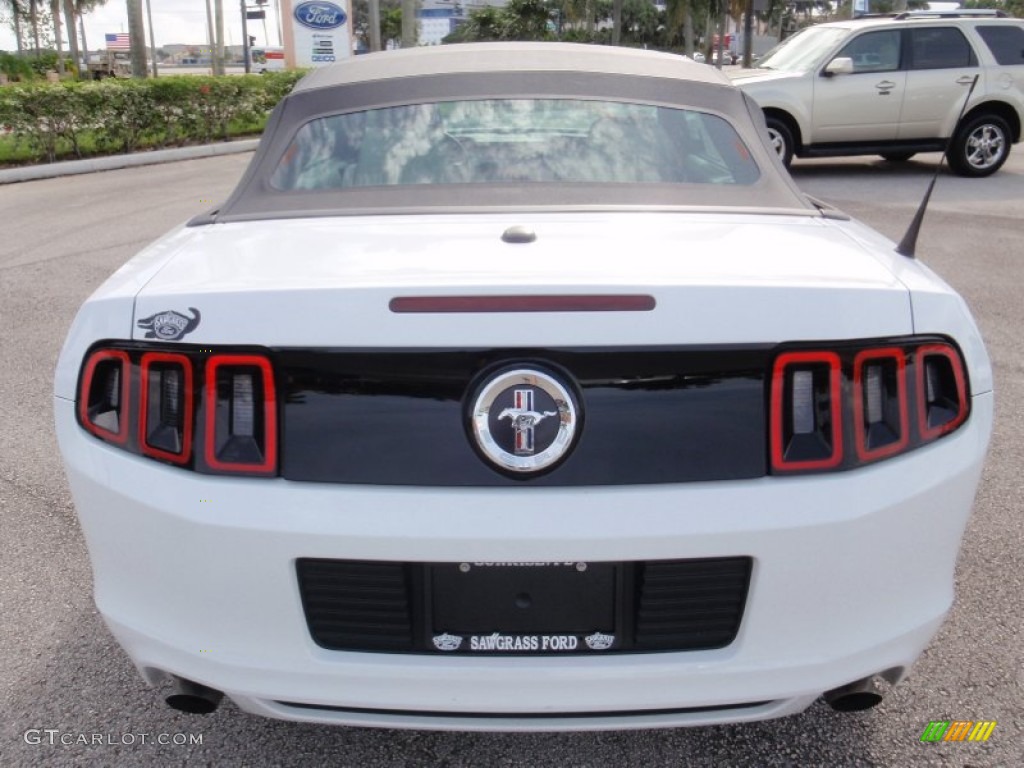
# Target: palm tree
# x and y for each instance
(679, 13)
(79, 8)
(409, 30)
(33, 17)
(16, 13)
(484, 24)
(137, 36)
(55, 15)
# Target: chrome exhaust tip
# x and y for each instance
(854, 697)
(193, 698)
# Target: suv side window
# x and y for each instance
(1005, 42)
(874, 51)
(940, 48)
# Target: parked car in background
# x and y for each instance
(895, 86)
(518, 387)
(104, 64)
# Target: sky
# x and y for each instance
(174, 21)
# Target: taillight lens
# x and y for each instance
(241, 415)
(850, 405)
(807, 424)
(165, 407)
(880, 411)
(941, 390)
(214, 413)
(105, 393)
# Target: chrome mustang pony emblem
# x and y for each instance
(524, 420)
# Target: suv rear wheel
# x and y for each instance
(782, 139)
(980, 146)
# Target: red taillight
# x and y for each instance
(165, 406)
(214, 413)
(890, 397)
(806, 415)
(941, 390)
(880, 415)
(241, 414)
(105, 394)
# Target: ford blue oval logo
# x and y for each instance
(320, 15)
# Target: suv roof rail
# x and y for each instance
(954, 14)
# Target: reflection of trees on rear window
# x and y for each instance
(514, 141)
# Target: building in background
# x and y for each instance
(439, 18)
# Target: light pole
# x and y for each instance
(152, 37)
(218, 56)
(209, 35)
(374, 25)
(246, 51)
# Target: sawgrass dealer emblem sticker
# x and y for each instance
(524, 420)
(169, 325)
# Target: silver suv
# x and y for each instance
(894, 86)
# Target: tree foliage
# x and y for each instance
(390, 22)
(1012, 7)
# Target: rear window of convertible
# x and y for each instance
(490, 141)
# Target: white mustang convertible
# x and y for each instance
(517, 387)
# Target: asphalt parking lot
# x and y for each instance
(68, 695)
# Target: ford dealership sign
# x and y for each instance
(320, 15)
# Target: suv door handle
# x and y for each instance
(965, 80)
(885, 86)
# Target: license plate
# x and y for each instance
(523, 607)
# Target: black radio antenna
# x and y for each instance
(909, 241)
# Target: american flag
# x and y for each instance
(118, 42)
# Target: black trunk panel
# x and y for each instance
(395, 417)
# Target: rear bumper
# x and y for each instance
(853, 575)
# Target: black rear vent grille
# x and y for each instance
(356, 605)
(690, 604)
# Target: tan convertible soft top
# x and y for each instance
(481, 58)
(483, 71)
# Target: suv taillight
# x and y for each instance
(156, 403)
(847, 405)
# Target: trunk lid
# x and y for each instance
(716, 279)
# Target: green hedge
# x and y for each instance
(70, 119)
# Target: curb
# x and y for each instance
(115, 162)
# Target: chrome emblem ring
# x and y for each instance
(524, 420)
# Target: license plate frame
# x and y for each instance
(524, 608)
